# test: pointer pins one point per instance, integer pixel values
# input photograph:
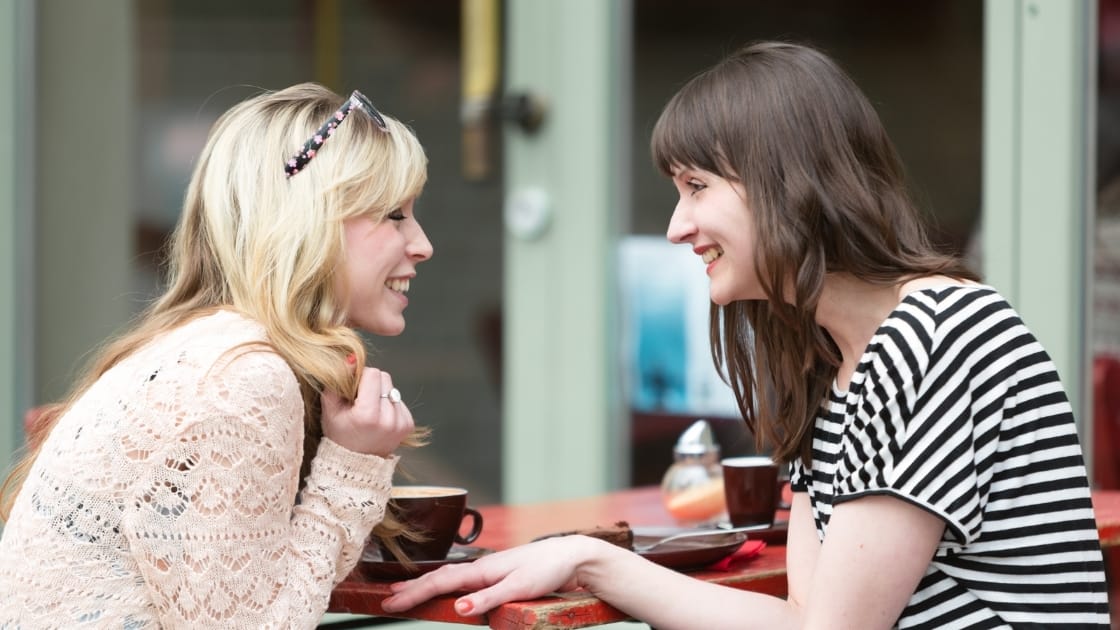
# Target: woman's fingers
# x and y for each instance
(509, 589)
(388, 407)
(446, 579)
(465, 577)
(395, 415)
(373, 424)
(516, 574)
(370, 385)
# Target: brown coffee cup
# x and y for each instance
(750, 487)
(436, 513)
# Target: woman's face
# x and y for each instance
(712, 216)
(379, 263)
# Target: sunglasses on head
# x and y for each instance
(297, 162)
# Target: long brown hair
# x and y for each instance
(829, 194)
(252, 241)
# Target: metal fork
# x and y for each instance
(699, 532)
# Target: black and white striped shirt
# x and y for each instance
(956, 408)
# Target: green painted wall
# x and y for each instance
(66, 181)
(1037, 168)
(561, 418)
(85, 135)
(15, 217)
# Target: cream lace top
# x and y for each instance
(166, 497)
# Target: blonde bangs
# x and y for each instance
(378, 175)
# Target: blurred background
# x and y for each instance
(556, 344)
(537, 346)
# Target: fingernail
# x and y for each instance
(463, 606)
(351, 358)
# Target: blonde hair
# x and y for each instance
(252, 240)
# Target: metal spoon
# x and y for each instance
(699, 532)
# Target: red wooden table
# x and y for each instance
(510, 525)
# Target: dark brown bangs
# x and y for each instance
(687, 133)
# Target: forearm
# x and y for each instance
(280, 566)
(344, 498)
(668, 600)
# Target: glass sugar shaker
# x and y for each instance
(692, 488)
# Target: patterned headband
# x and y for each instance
(358, 100)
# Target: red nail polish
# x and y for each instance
(351, 358)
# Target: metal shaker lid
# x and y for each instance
(697, 439)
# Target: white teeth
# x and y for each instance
(711, 254)
(398, 284)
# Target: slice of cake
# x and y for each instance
(618, 534)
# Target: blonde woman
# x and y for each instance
(222, 464)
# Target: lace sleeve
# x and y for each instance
(214, 527)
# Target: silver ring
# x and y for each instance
(394, 395)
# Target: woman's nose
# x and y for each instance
(419, 247)
(681, 227)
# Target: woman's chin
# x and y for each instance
(390, 331)
(721, 299)
(381, 328)
(726, 295)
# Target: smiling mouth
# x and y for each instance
(711, 254)
(400, 285)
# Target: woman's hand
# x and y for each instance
(659, 596)
(373, 424)
(521, 573)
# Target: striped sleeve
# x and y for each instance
(913, 435)
(798, 477)
(955, 407)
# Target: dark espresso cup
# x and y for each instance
(750, 486)
(436, 513)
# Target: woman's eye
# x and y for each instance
(695, 186)
(397, 215)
